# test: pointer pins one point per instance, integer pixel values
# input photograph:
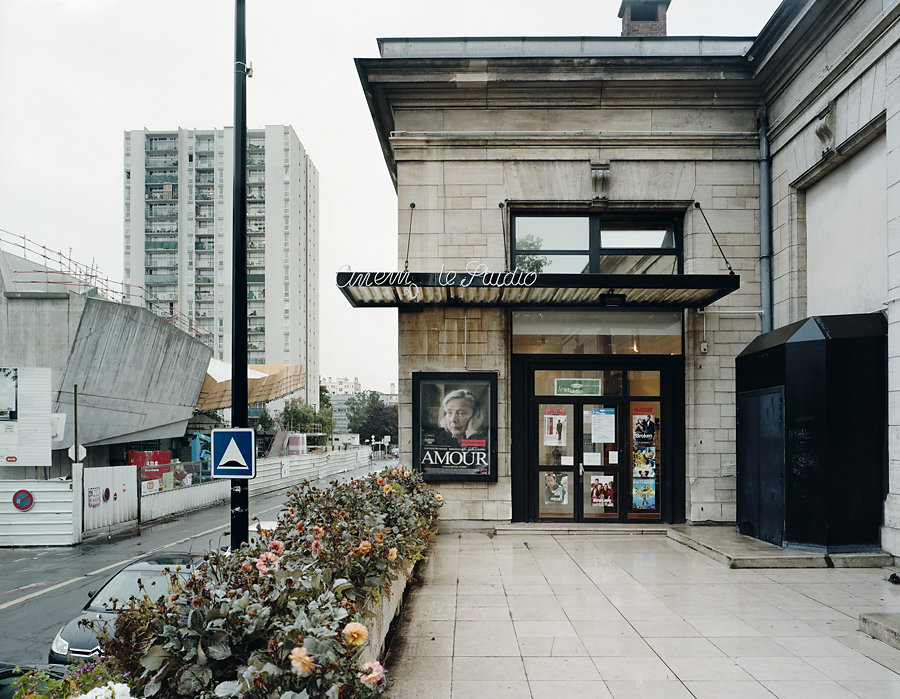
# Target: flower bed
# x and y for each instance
(291, 616)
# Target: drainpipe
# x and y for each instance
(765, 220)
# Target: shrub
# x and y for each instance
(285, 617)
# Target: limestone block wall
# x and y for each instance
(842, 98)
(459, 339)
(457, 181)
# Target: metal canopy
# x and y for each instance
(419, 289)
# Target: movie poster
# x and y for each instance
(455, 425)
(556, 429)
(9, 393)
(603, 492)
(643, 493)
(645, 425)
(644, 462)
(556, 488)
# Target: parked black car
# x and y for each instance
(78, 642)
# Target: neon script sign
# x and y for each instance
(476, 273)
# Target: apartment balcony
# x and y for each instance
(158, 162)
(256, 330)
(256, 211)
(256, 244)
(204, 212)
(165, 145)
(258, 278)
(204, 163)
(203, 245)
(206, 145)
(204, 279)
(256, 194)
(256, 293)
(160, 211)
(205, 195)
(165, 244)
(170, 195)
(162, 178)
(160, 279)
(163, 266)
(256, 162)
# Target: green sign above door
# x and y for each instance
(577, 387)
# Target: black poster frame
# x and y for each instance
(454, 378)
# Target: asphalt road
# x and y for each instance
(43, 588)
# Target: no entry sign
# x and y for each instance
(23, 500)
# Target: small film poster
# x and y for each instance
(556, 488)
(453, 425)
(555, 427)
(645, 426)
(644, 462)
(603, 492)
(643, 493)
(9, 393)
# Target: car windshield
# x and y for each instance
(124, 585)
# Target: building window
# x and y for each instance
(597, 243)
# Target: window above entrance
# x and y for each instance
(596, 332)
(595, 243)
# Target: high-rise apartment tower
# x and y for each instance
(178, 246)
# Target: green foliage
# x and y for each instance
(324, 398)
(265, 419)
(297, 416)
(358, 409)
(284, 618)
(381, 421)
(530, 263)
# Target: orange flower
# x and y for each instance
(277, 547)
(379, 537)
(266, 562)
(302, 663)
(388, 488)
(392, 554)
(364, 547)
(437, 496)
(381, 481)
(299, 526)
(355, 633)
(394, 472)
(406, 474)
(319, 532)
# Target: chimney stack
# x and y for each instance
(643, 17)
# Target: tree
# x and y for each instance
(368, 415)
(530, 263)
(358, 409)
(297, 416)
(381, 422)
(265, 419)
(324, 398)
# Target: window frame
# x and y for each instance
(670, 220)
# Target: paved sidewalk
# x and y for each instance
(634, 616)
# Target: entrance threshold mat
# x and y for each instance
(582, 528)
(724, 544)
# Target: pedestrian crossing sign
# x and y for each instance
(233, 453)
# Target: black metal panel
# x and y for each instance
(833, 373)
(760, 464)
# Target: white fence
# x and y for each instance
(110, 497)
(55, 519)
(168, 502)
(52, 520)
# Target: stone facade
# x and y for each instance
(475, 128)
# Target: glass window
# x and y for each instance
(594, 244)
(554, 494)
(552, 233)
(646, 459)
(596, 332)
(577, 383)
(556, 427)
(612, 237)
(643, 383)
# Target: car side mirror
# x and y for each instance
(91, 593)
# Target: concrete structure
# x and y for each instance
(342, 386)
(785, 140)
(178, 223)
(339, 406)
(138, 376)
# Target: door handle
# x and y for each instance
(580, 469)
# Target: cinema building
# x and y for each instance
(593, 229)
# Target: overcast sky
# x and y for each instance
(77, 73)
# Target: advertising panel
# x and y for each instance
(455, 425)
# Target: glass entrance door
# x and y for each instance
(596, 445)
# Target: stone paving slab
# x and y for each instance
(634, 616)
